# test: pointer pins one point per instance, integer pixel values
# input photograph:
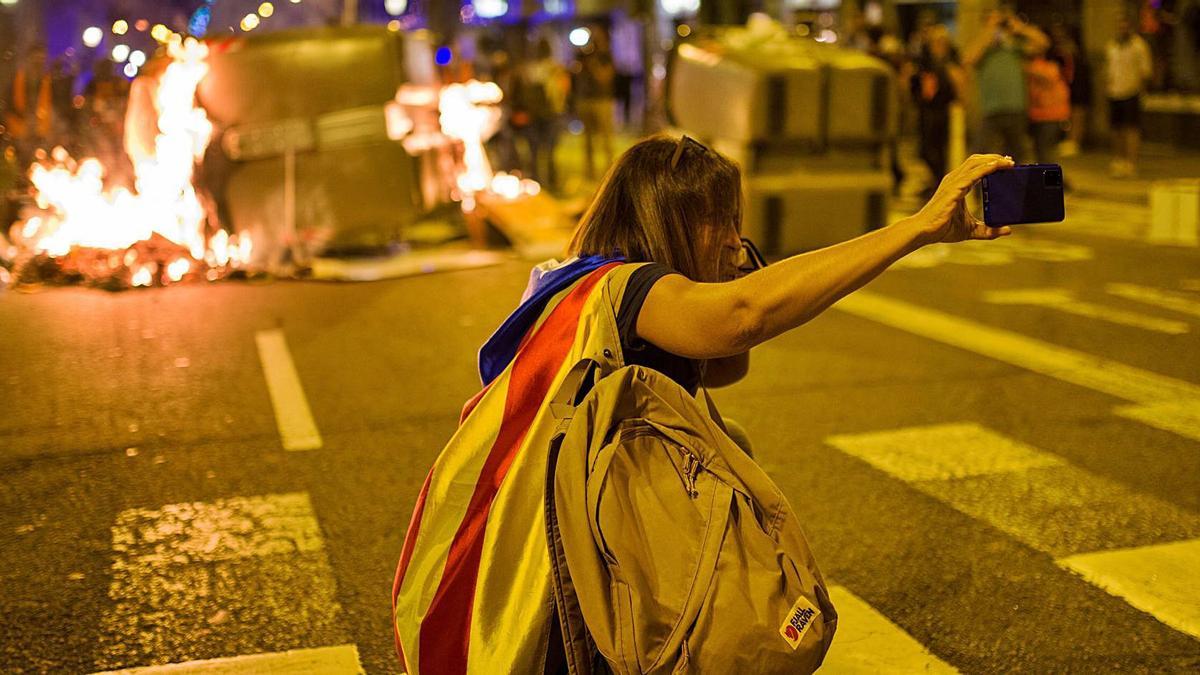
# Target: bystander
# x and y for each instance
(595, 101)
(1049, 104)
(1128, 69)
(997, 58)
(30, 115)
(935, 85)
(538, 104)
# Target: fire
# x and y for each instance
(78, 213)
(469, 113)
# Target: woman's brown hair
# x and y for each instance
(665, 200)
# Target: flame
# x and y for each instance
(177, 269)
(80, 213)
(143, 276)
(508, 186)
(469, 113)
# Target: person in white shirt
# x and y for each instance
(1128, 69)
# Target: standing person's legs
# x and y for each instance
(1079, 119)
(1003, 134)
(1123, 116)
(1045, 141)
(934, 136)
(1133, 143)
(1133, 139)
(603, 113)
(532, 165)
(552, 131)
(1013, 127)
(589, 133)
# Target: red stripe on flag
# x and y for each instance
(410, 540)
(446, 630)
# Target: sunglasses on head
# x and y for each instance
(684, 141)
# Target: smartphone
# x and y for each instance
(1029, 193)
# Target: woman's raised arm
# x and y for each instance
(702, 321)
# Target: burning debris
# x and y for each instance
(85, 228)
(79, 231)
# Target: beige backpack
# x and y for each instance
(672, 550)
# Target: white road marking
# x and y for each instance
(1063, 300)
(1159, 580)
(1089, 524)
(1105, 218)
(866, 642)
(1157, 297)
(292, 415)
(339, 660)
(937, 452)
(993, 253)
(1180, 417)
(225, 529)
(1079, 368)
(218, 578)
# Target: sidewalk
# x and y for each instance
(1087, 173)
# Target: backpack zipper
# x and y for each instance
(690, 472)
(692, 467)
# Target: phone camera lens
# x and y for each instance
(1053, 178)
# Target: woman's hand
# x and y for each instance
(946, 218)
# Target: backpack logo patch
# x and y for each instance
(799, 620)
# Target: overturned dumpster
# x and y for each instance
(302, 154)
(810, 124)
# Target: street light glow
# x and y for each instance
(120, 27)
(675, 7)
(131, 70)
(137, 58)
(92, 36)
(249, 22)
(395, 7)
(580, 36)
(120, 53)
(491, 9)
(160, 32)
(266, 9)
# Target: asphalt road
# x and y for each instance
(1008, 484)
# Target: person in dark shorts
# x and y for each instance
(1128, 69)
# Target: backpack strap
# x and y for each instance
(574, 387)
(577, 644)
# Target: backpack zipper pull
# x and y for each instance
(689, 475)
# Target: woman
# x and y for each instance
(687, 220)
(473, 586)
(935, 86)
(1049, 103)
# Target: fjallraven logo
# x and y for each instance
(799, 620)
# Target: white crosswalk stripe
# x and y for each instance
(234, 576)
(866, 642)
(1152, 391)
(1064, 300)
(1154, 296)
(340, 660)
(1136, 546)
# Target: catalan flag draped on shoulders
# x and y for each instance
(473, 587)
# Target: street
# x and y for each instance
(993, 448)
